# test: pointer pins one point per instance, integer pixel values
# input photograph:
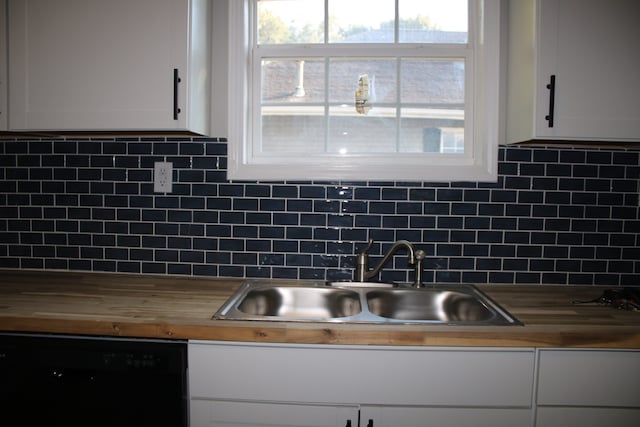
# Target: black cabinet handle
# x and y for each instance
(370, 423)
(176, 80)
(348, 423)
(552, 99)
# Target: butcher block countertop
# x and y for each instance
(179, 307)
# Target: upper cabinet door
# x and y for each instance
(108, 65)
(589, 49)
(3, 66)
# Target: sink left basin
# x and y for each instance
(311, 303)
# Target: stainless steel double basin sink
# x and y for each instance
(348, 302)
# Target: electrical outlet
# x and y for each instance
(162, 177)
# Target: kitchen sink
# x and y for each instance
(339, 302)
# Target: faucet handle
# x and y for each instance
(420, 256)
(362, 263)
(365, 250)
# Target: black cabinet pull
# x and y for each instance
(370, 423)
(176, 80)
(348, 423)
(552, 99)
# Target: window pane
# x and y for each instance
(290, 130)
(293, 106)
(361, 21)
(453, 140)
(292, 80)
(433, 21)
(290, 21)
(431, 131)
(433, 82)
(353, 133)
(432, 95)
(381, 75)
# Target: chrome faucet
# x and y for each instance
(363, 274)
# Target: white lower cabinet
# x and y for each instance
(248, 384)
(286, 385)
(588, 388)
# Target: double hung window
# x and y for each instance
(363, 90)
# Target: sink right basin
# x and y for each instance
(430, 305)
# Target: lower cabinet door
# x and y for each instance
(587, 417)
(389, 416)
(212, 413)
(588, 378)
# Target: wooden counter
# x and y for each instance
(181, 307)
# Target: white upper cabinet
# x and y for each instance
(117, 65)
(589, 48)
(3, 66)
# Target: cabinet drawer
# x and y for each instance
(587, 417)
(257, 414)
(362, 374)
(589, 378)
(402, 416)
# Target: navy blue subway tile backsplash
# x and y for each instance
(557, 215)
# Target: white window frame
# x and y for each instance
(479, 162)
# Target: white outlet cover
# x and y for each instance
(162, 177)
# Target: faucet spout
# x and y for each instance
(362, 272)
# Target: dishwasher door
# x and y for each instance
(81, 381)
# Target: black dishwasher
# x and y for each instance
(58, 380)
